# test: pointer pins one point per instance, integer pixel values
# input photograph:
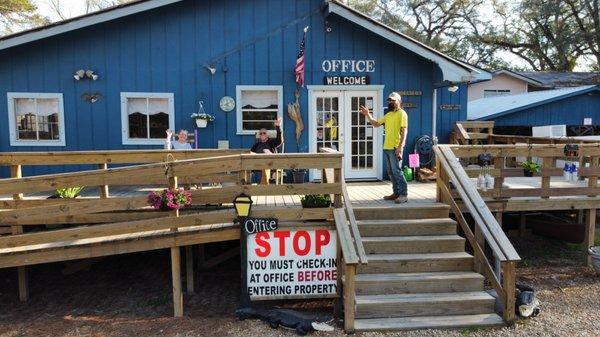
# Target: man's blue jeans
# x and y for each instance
(395, 173)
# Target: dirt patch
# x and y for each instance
(130, 295)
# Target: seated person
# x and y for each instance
(267, 145)
(180, 144)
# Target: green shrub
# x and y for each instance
(316, 200)
(69, 192)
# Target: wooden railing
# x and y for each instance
(482, 132)
(525, 195)
(487, 232)
(130, 219)
(352, 248)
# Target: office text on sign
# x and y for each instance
(351, 66)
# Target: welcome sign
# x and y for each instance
(287, 264)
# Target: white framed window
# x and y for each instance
(495, 93)
(257, 106)
(145, 117)
(36, 119)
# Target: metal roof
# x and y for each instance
(557, 79)
(488, 108)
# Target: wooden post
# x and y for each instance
(548, 163)
(176, 275)
(508, 284)
(438, 181)
(337, 198)
(104, 188)
(590, 228)
(23, 278)
(176, 260)
(481, 243)
(499, 163)
(349, 298)
(189, 269)
(523, 224)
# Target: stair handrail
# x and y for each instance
(450, 171)
(349, 209)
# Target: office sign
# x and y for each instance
(346, 80)
(348, 66)
(257, 225)
(450, 107)
(288, 264)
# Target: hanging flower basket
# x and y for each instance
(169, 199)
(201, 123)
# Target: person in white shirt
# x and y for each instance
(180, 144)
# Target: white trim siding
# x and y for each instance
(125, 96)
(12, 120)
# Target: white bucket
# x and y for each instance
(595, 254)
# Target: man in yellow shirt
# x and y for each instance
(395, 123)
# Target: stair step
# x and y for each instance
(414, 244)
(424, 304)
(428, 322)
(403, 211)
(413, 263)
(433, 226)
(397, 283)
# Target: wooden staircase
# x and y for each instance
(418, 274)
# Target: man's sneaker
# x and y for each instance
(391, 197)
(401, 199)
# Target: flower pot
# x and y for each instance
(298, 176)
(165, 208)
(201, 123)
(528, 173)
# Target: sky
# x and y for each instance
(69, 7)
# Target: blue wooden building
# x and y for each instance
(118, 78)
(569, 106)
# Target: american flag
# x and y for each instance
(299, 69)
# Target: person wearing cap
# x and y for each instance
(395, 123)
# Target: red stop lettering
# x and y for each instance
(306, 249)
(322, 239)
(282, 235)
(262, 241)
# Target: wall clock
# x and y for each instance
(227, 103)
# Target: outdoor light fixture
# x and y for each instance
(243, 204)
(90, 74)
(453, 88)
(79, 74)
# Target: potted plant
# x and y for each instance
(67, 193)
(202, 119)
(169, 199)
(315, 200)
(530, 167)
(298, 176)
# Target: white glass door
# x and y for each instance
(336, 122)
(360, 159)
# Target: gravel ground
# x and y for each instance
(130, 296)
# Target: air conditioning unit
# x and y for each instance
(552, 131)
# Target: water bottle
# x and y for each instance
(566, 172)
(481, 180)
(488, 179)
(574, 175)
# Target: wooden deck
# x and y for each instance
(361, 194)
